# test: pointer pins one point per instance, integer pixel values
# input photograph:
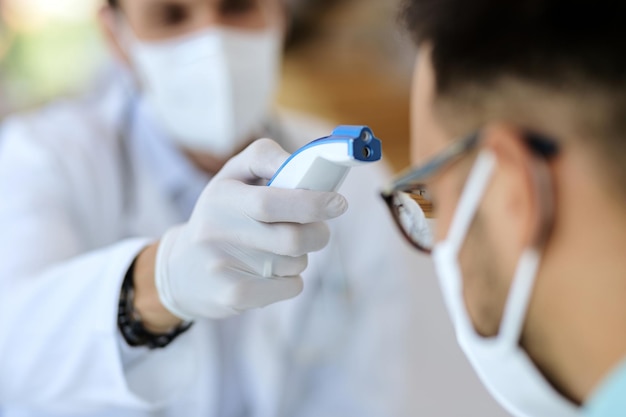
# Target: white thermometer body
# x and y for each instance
(323, 164)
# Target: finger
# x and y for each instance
(276, 205)
(228, 290)
(265, 263)
(285, 239)
(260, 160)
(251, 291)
(282, 266)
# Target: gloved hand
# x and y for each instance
(245, 245)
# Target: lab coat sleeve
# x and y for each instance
(59, 344)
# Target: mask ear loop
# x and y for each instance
(518, 299)
(473, 192)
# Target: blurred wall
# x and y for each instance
(5, 42)
(355, 69)
(47, 49)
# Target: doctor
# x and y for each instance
(519, 137)
(135, 258)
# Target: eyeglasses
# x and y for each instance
(410, 201)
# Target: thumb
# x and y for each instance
(260, 160)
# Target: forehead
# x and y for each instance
(428, 136)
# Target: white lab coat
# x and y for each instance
(77, 205)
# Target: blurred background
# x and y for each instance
(47, 49)
(346, 61)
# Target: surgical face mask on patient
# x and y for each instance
(503, 366)
(210, 90)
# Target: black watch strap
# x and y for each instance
(130, 324)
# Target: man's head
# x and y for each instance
(207, 69)
(509, 70)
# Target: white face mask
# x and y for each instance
(213, 89)
(505, 368)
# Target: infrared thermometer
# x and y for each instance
(322, 165)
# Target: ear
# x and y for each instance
(514, 205)
(110, 26)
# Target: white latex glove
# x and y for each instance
(245, 245)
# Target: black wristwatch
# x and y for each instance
(130, 324)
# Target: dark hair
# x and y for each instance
(535, 39)
(112, 3)
(576, 48)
